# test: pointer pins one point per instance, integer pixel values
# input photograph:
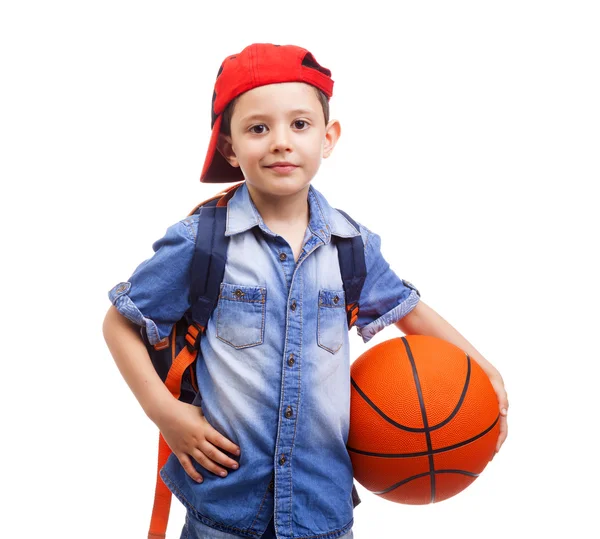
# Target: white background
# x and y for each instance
(470, 144)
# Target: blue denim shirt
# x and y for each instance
(273, 368)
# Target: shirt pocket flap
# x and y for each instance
(332, 298)
(236, 292)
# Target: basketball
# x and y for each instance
(424, 420)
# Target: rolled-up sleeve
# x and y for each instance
(157, 294)
(385, 297)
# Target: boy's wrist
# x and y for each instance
(161, 409)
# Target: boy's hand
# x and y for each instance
(189, 435)
(498, 385)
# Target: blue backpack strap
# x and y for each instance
(208, 263)
(351, 255)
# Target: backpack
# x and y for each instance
(174, 357)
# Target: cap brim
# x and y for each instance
(216, 168)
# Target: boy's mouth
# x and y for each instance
(283, 167)
(282, 164)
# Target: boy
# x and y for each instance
(262, 453)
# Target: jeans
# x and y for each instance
(194, 529)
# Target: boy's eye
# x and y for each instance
(259, 129)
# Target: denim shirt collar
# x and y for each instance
(324, 220)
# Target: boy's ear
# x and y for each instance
(332, 135)
(225, 148)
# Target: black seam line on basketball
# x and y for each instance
(413, 429)
(424, 416)
(403, 482)
(408, 479)
(461, 399)
(462, 472)
(424, 453)
(382, 414)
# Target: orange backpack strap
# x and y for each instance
(162, 495)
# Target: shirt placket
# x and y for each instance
(290, 395)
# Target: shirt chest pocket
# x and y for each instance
(241, 315)
(331, 323)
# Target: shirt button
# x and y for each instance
(121, 288)
(238, 293)
(336, 299)
(271, 486)
(289, 412)
(293, 306)
(282, 256)
(291, 360)
(282, 460)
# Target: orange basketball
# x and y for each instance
(424, 420)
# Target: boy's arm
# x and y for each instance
(131, 356)
(182, 425)
(423, 320)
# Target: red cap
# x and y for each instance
(257, 65)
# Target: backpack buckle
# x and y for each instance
(352, 314)
(162, 344)
(192, 338)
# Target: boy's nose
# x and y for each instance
(280, 140)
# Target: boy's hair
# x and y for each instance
(258, 64)
(228, 112)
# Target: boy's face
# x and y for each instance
(279, 122)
